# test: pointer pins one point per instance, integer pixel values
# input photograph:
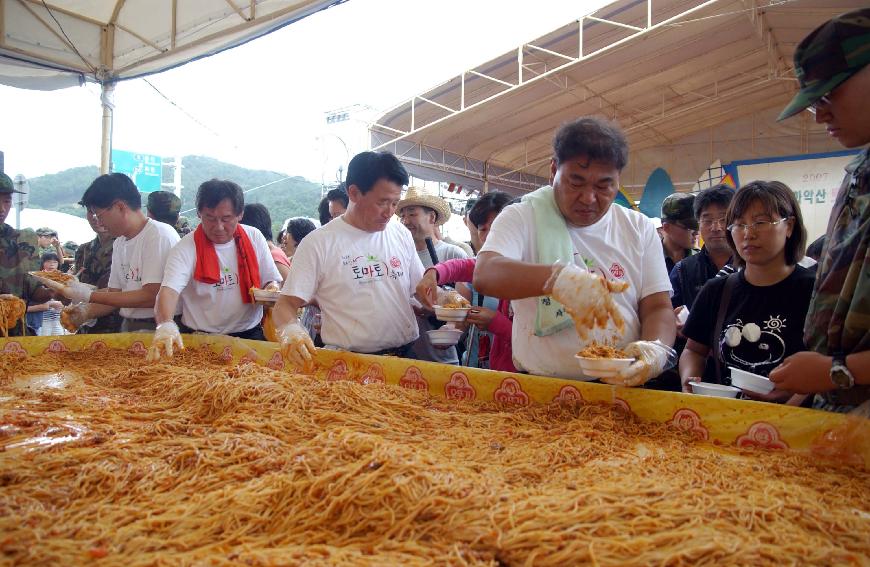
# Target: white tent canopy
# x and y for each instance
(54, 44)
(689, 81)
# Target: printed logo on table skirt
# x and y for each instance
(568, 395)
(56, 346)
(761, 434)
(99, 345)
(14, 347)
(510, 392)
(249, 357)
(374, 375)
(338, 371)
(619, 402)
(458, 388)
(686, 419)
(413, 379)
(276, 362)
(227, 354)
(138, 348)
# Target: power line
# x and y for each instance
(69, 41)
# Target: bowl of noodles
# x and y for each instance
(603, 361)
(453, 309)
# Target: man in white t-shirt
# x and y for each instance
(422, 213)
(138, 256)
(213, 270)
(361, 268)
(578, 215)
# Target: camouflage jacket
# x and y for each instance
(838, 320)
(18, 255)
(94, 262)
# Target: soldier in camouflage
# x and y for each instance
(48, 242)
(833, 68)
(164, 206)
(18, 254)
(93, 265)
(679, 228)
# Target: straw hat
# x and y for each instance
(420, 197)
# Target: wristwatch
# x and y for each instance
(840, 375)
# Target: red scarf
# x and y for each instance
(208, 270)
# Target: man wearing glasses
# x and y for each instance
(679, 228)
(138, 256)
(832, 68)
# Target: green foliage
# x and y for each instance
(286, 198)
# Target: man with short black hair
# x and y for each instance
(138, 256)
(690, 274)
(574, 222)
(213, 270)
(362, 269)
(679, 228)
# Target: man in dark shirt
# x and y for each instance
(679, 228)
(93, 265)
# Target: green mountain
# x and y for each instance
(284, 196)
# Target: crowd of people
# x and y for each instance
(368, 278)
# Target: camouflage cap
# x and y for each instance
(679, 208)
(6, 184)
(46, 231)
(163, 203)
(70, 246)
(829, 56)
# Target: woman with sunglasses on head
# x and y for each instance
(753, 319)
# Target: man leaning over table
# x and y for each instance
(361, 269)
(575, 222)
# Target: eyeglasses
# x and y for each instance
(823, 101)
(710, 223)
(98, 215)
(759, 227)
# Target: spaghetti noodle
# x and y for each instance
(601, 350)
(202, 462)
(12, 310)
(55, 276)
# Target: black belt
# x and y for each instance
(402, 351)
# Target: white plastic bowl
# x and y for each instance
(451, 314)
(750, 382)
(716, 390)
(444, 337)
(603, 367)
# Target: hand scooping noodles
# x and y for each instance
(587, 298)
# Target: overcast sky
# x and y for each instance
(262, 105)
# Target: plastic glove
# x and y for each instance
(653, 358)
(77, 292)
(586, 297)
(74, 316)
(297, 346)
(166, 339)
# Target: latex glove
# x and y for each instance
(586, 297)
(427, 289)
(74, 316)
(77, 292)
(166, 339)
(652, 358)
(297, 346)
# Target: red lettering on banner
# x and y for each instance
(413, 380)
(458, 388)
(511, 392)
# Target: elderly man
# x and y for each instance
(422, 213)
(679, 228)
(574, 222)
(138, 256)
(833, 69)
(213, 270)
(362, 269)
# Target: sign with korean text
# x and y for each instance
(145, 170)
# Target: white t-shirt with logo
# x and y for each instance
(623, 245)
(363, 282)
(218, 308)
(139, 261)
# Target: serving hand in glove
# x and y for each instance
(651, 359)
(74, 316)
(167, 339)
(77, 292)
(586, 297)
(297, 346)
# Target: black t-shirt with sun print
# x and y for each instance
(762, 326)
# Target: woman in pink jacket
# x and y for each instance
(498, 322)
